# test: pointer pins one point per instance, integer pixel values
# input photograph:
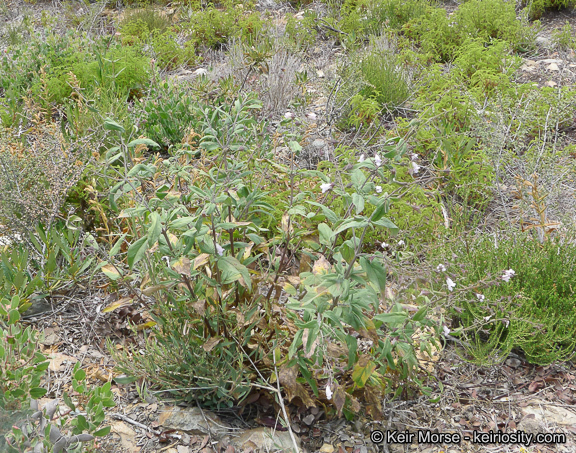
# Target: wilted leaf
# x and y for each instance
(111, 272)
(339, 398)
(293, 389)
(211, 343)
(199, 307)
(321, 266)
(124, 302)
(200, 260)
(146, 325)
(182, 266)
(362, 373)
(287, 225)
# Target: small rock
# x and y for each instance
(326, 448)
(513, 362)
(309, 419)
(192, 420)
(542, 41)
(553, 67)
(550, 83)
(550, 60)
(320, 73)
(530, 425)
(265, 439)
(319, 143)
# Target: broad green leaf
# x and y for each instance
(387, 223)
(136, 251)
(232, 270)
(80, 375)
(358, 178)
(37, 393)
(13, 316)
(155, 228)
(117, 245)
(391, 318)
(102, 432)
(380, 211)
(351, 223)
(325, 234)
(358, 201)
(375, 272)
(182, 222)
(111, 125)
(143, 141)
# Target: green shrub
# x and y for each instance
(221, 283)
(441, 36)
(484, 68)
(23, 366)
(564, 39)
(302, 32)
(213, 27)
(533, 311)
(167, 117)
(386, 80)
(536, 8)
(137, 25)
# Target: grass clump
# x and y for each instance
(518, 294)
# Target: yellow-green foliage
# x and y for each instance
(537, 7)
(214, 27)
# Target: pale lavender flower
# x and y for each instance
(377, 160)
(326, 186)
(415, 167)
(508, 275)
(446, 331)
(441, 268)
(362, 158)
(288, 115)
(219, 249)
(450, 284)
(311, 116)
(480, 297)
(328, 392)
(378, 189)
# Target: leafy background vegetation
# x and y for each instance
(258, 254)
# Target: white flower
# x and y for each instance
(288, 115)
(311, 116)
(487, 318)
(413, 156)
(450, 284)
(441, 268)
(401, 243)
(362, 158)
(446, 331)
(415, 167)
(480, 297)
(378, 189)
(384, 245)
(328, 392)
(326, 186)
(219, 249)
(377, 160)
(508, 275)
